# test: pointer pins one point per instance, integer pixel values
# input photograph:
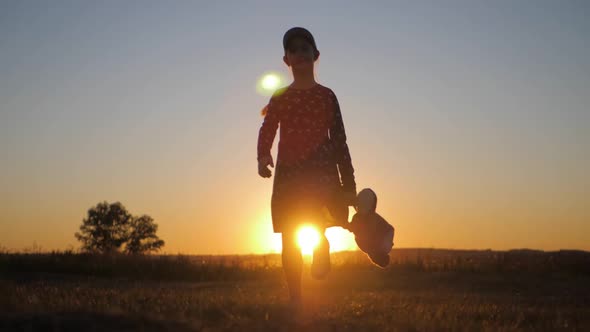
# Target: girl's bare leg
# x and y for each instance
(292, 265)
(320, 266)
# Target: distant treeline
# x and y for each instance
(24, 266)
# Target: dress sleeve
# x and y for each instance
(342, 154)
(268, 130)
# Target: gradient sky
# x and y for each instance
(470, 119)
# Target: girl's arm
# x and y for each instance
(267, 132)
(338, 138)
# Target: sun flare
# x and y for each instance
(308, 238)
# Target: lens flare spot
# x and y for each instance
(269, 82)
(308, 238)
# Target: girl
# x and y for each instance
(314, 170)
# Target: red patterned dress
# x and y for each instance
(313, 166)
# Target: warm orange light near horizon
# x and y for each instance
(308, 239)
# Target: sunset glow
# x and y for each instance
(308, 238)
(340, 239)
(471, 124)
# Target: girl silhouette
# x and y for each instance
(314, 172)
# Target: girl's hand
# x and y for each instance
(351, 199)
(263, 164)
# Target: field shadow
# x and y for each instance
(87, 321)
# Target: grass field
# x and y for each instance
(423, 290)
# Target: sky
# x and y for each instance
(469, 119)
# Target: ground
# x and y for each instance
(353, 298)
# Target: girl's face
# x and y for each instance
(300, 54)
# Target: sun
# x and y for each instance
(308, 239)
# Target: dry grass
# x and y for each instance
(247, 294)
